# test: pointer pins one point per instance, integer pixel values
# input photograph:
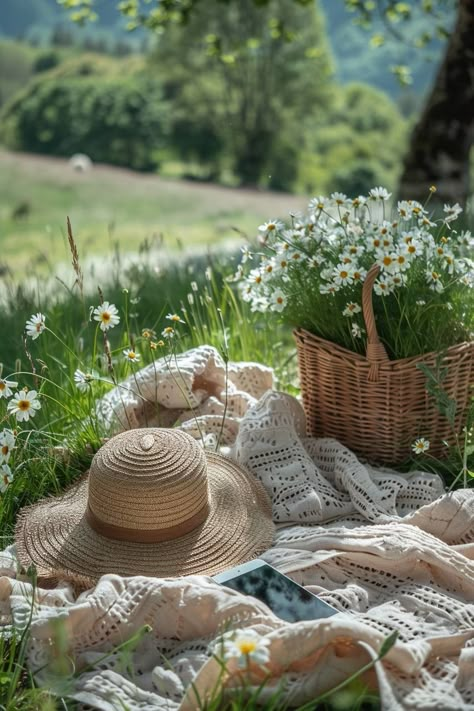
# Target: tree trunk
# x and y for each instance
(440, 143)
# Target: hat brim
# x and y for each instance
(55, 536)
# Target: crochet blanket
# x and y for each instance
(389, 551)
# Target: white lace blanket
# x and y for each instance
(392, 552)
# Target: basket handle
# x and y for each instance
(375, 352)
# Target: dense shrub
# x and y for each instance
(118, 121)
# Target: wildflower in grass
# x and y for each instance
(340, 199)
(24, 405)
(434, 281)
(270, 227)
(246, 254)
(168, 333)
(328, 289)
(83, 380)
(245, 646)
(356, 330)
(174, 318)
(35, 325)
(421, 302)
(148, 333)
(343, 275)
(318, 203)
(107, 316)
(383, 287)
(194, 286)
(131, 356)
(351, 309)
(159, 344)
(6, 477)
(7, 442)
(379, 194)
(420, 445)
(452, 212)
(278, 300)
(6, 387)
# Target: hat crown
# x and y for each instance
(148, 480)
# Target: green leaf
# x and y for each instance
(388, 643)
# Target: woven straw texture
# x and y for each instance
(392, 552)
(375, 406)
(143, 482)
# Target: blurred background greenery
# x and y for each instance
(243, 97)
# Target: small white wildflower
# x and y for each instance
(452, 212)
(340, 199)
(7, 442)
(246, 254)
(328, 288)
(24, 405)
(168, 333)
(174, 318)
(278, 300)
(190, 298)
(379, 194)
(318, 203)
(35, 325)
(83, 380)
(383, 286)
(107, 316)
(420, 445)
(131, 355)
(245, 646)
(434, 281)
(421, 302)
(6, 477)
(194, 286)
(343, 275)
(351, 309)
(356, 330)
(6, 387)
(270, 227)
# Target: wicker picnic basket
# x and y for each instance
(375, 406)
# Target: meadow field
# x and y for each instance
(114, 208)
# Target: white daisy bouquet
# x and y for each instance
(311, 272)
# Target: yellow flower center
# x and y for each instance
(269, 268)
(411, 249)
(343, 274)
(320, 206)
(376, 243)
(347, 260)
(296, 255)
(435, 275)
(175, 317)
(440, 250)
(357, 275)
(132, 355)
(2, 385)
(270, 227)
(401, 259)
(283, 263)
(416, 210)
(168, 329)
(5, 450)
(279, 299)
(105, 316)
(247, 646)
(24, 405)
(258, 279)
(387, 260)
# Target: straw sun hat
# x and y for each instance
(153, 503)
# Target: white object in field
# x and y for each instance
(80, 162)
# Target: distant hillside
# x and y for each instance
(355, 60)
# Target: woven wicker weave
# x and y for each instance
(375, 406)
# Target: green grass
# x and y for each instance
(109, 206)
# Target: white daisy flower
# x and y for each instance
(278, 300)
(452, 212)
(359, 201)
(6, 477)
(168, 333)
(7, 442)
(356, 330)
(5, 387)
(246, 254)
(420, 445)
(383, 286)
(245, 646)
(413, 248)
(434, 281)
(402, 261)
(269, 228)
(379, 194)
(107, 316)
(175, 318)
(340, 200)
(449, 262)
(359, 274)
(131, 356)
(259, 303)
(421, 302)
(83, 380)
(351, 309)
(318, 203)
(328, 288)
(388, 262)
(343, 275)
(35, 325)
(24, 405)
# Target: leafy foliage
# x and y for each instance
(118, 121)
